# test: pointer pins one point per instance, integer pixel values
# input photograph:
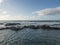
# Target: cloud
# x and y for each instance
(1, 1)
(4, 15)
(48, 11)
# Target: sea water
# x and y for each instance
(30, 36)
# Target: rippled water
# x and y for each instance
(30, 36)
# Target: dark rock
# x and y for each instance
(11, 24)
(34, 27)
(45, 27)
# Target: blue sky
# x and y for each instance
(29, 9)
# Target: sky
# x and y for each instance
(29, 9)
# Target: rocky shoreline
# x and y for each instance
(32, 27)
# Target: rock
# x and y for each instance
(45, 27)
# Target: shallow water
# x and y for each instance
(30, 36)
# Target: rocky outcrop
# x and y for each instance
(30, 26)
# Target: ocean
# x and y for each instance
(29, 36)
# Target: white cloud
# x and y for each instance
(20, 17)
(48, 11)
(4, 15)
(1, 1)
(4, 12)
